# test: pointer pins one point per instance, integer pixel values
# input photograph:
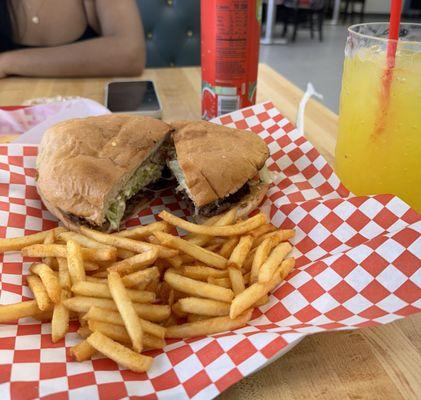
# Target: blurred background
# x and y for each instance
(299, 37)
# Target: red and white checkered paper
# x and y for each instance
(358, 264)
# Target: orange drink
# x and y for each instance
(370, 160)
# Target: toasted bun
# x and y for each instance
(69, 224)
(83, 163)
(217, 161)
(251, 201)
(248, 203)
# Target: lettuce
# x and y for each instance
(148, 172)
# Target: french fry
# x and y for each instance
(150, 312)
(211, 308)
(123, 253)
(49, 239)
(213, 247)
(237, 281)
(126, 309)
(59, 250)
(12, 312)
(197, 238)
(201, 254)
(226, 219)
(95, 279)
(90, 266)
(40, 294)
(279, 236)
(171, 298)
(249, 260)
(197, 288)
(97, 289)
(224, 282)
(207, 326)
(201, 272)
(272, 262)
(120, 354)
(229, 265)
(217, 240)
(18, 243)
(100, 274)
(246, 278)
(228, 230)
(186, 259)
(240, 252)
(82, 322)
(82, 351)
(175, 261)
(260, 256)
(256, 291)
(84, 331)
(262, 301)
(136, 262)
(49, 280)
(176, 309)
(236, 261)
(141, 277)
(195, 317)
(119, 334)
(261, 230)
(171, 320)
(44, 316)
(228, 247)
(113, 317)
(75, 262)
(141, 232)
(152, 342)
(152, 239)
(82, 240)
(60, 321)
(128, 244)
(284, 269)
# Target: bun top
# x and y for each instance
(217, 161)
(83, 163)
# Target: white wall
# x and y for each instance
(377, 6)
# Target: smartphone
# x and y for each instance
(133, 97)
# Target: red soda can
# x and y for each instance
(230, 38)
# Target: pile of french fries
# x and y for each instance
(132, 289)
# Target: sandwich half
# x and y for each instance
(96, 171)
(218, 167)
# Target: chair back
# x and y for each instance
(172, 32)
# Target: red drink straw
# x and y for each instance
(395, 19)
(392, 43)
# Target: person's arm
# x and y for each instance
(119, 51)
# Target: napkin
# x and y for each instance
(358, 264)
(32, 122)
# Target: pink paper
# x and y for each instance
(32, 122)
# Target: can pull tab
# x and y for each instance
(310, 91)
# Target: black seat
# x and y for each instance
(299, 11)
(172, 32)
(351, 3)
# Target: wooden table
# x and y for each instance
(372, 363)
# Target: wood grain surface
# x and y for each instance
(372, 363)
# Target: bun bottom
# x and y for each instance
(248, 203)
(245, 206)
(66, 221)
(71, 225)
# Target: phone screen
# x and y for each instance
(132, 96)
